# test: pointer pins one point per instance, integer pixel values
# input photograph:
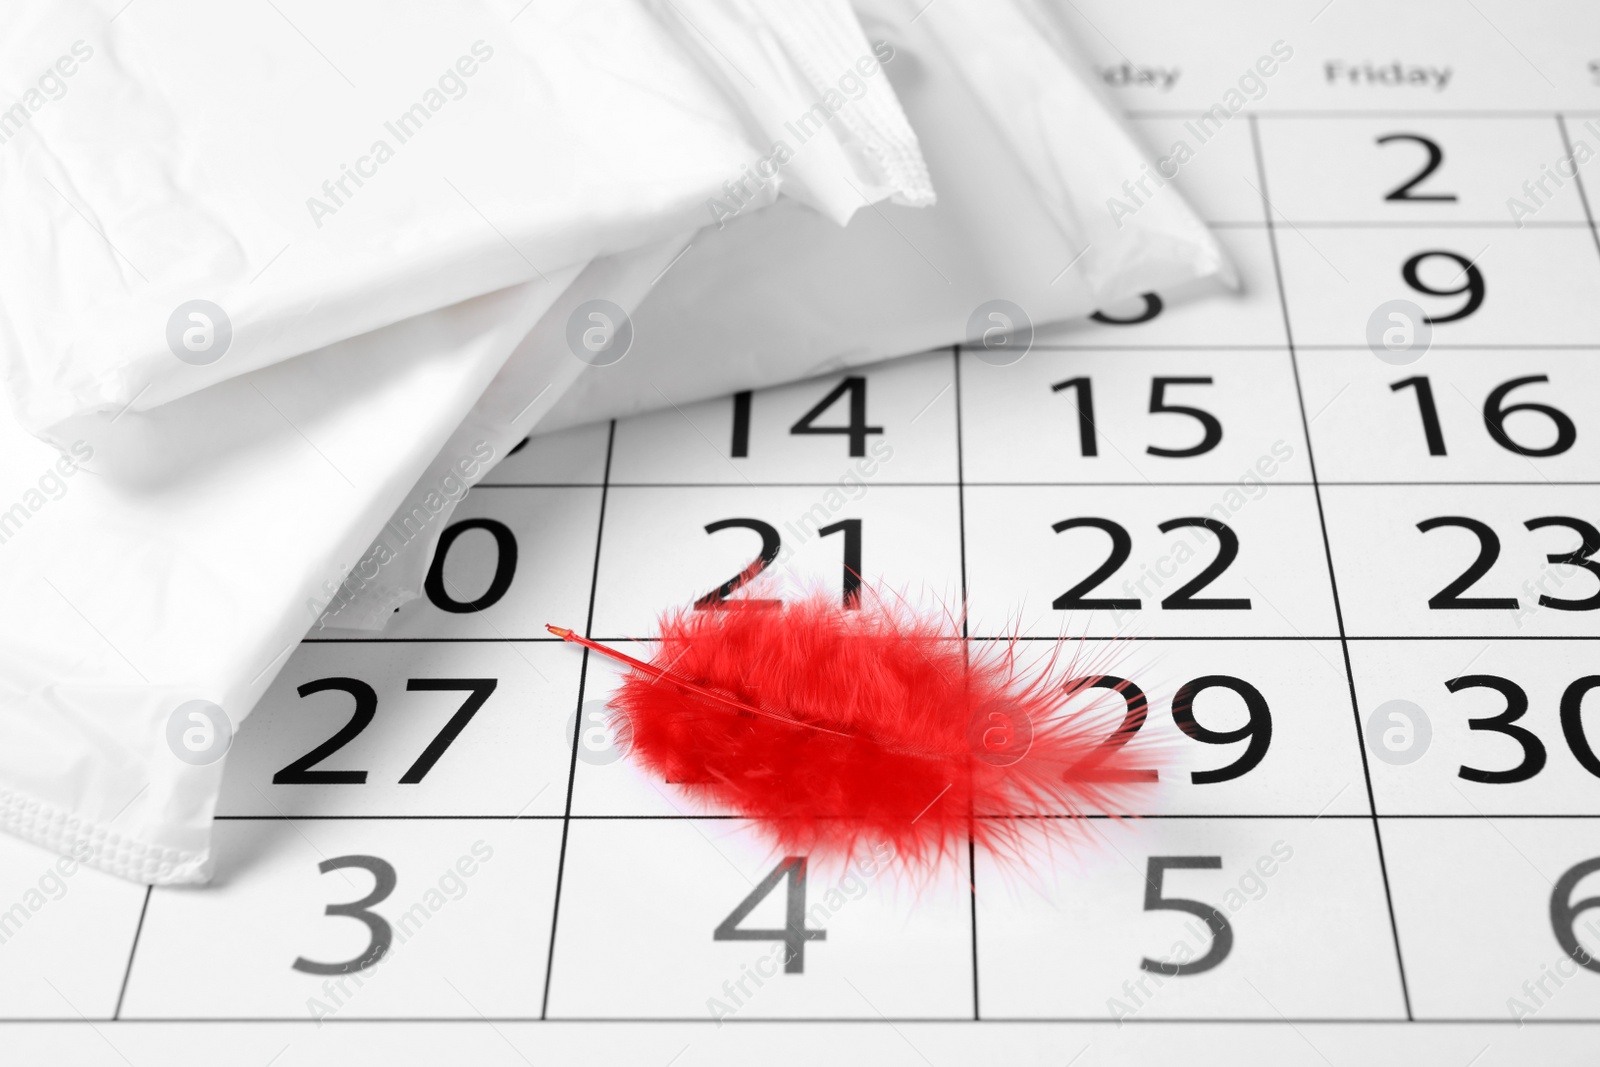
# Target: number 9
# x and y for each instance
(1473, 286)
(1258, 731)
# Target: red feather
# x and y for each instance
(836, 728)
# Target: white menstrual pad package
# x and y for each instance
(237, 344)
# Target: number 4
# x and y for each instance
(857, 430)
(794, 934)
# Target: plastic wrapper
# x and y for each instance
(167, 540)
(213, 509)
(1024, 155)
(207, 183)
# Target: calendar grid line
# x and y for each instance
(1286, 638)
(1004, 485)
(1577, 178)
(1000, 637)
(1333, 581)
(133, 950)
(1112, 816)
(961, 528)
(1245, 346)
(1366, 224)
(959, 1020)
(577, 727)
(1273, 114)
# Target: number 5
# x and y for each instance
(1221, 929)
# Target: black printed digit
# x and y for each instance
(1085, 404)
(1426, 409)
(1564, 913)
(1258, 731)
(1572, 722)
(301, 772)
(1533, 751)
(1435, 157)
(1216, 922)
(1227, 551)
(1211, 429)
(740, 446)
(505, 567)
(1152, 308)
(1488, 551)
(383, 883)
(794, 934)
(1121, 548)
(851, 582)
(856, 430)
(478, 690)
(1582, 556)
(1473, 286)
(770, 544)
(1494, 419)
(1136, 708)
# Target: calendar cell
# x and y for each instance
(1496, 914)
(1389, 170)
(1249, 318)
(350, 919)
(1454, 416)
(894, 422)
(1214, 175)
(1499, 561)
(1477, 286)
(1084, 416)
(700, 919)
(1231, 727)
(1505, 726)
(1163, 919)
(1102, 561)
(675, 548)
(604, 782)
(567, 457)
(409, 729)
(507, 562)
(65, 933)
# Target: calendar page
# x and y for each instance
(1339, 531)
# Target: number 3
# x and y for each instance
(383, 883)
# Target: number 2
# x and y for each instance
(1258, 731)
(1489, 551)
(1435, 157)
(1182, 598)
